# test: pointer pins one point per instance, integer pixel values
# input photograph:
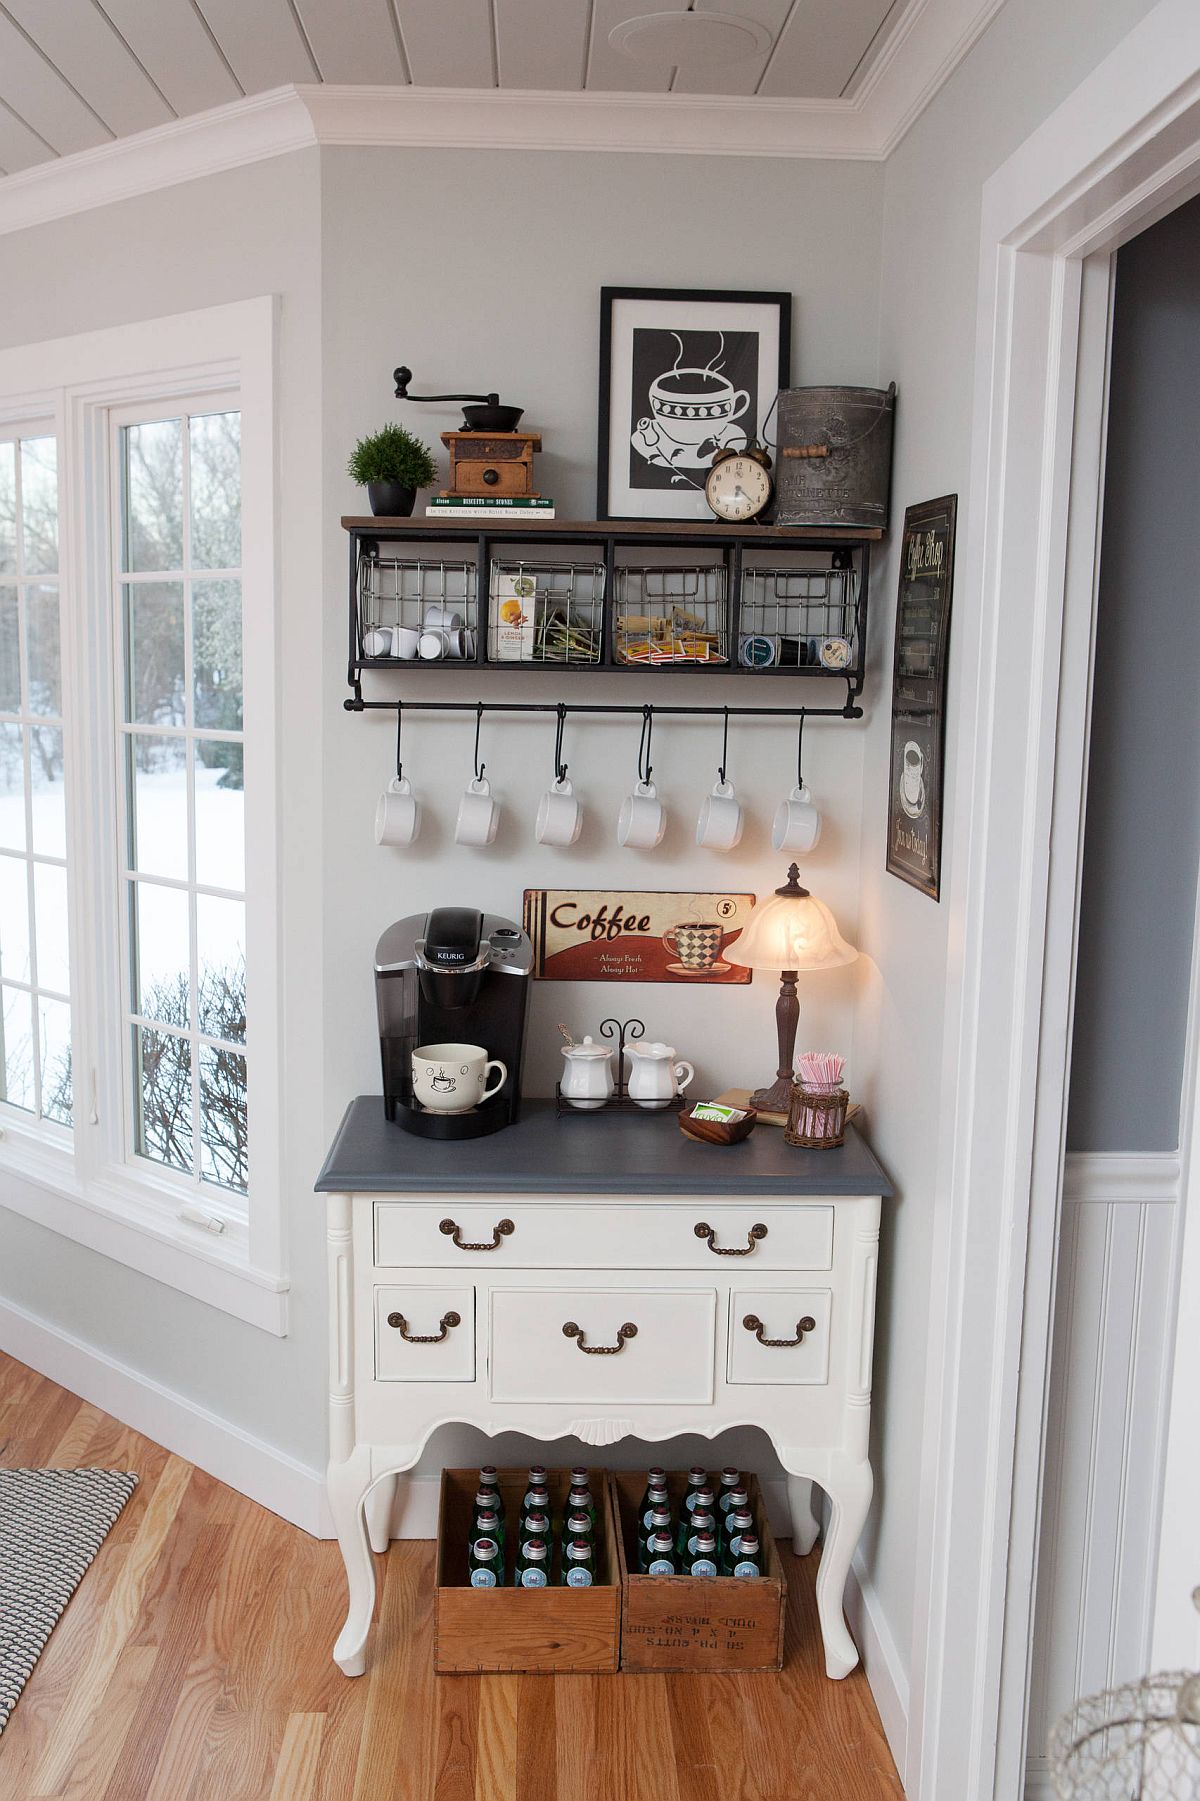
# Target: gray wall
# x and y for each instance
(1143, 811)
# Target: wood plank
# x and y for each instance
(92, 56)
(37, 92)
(821, 47)
(262, 43)
(542, 43)
(496, 1766)
(354, 43)
(743, 76)
(170, 40)
(296, 1770)
(777, 535)
(449, 45)
(68, 1452)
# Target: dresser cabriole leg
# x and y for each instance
(804, 1508)
(347, 1486)
(849, 1491)
(379, 1504)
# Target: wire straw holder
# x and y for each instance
(788, 614)
(416, 609)
(545, 612)
(666, 617)
(816, 1118)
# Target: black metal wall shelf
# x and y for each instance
(483, 544)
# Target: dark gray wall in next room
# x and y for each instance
(1143, 813)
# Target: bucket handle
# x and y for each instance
(823, 450)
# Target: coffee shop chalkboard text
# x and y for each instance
(593, 935)
(926, 586)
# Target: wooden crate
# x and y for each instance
(549, 1631)
(697, 1623)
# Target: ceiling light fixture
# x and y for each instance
(689, 40)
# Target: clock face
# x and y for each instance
(835, 653)
(738, 488)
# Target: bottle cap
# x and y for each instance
(749, 1545)
(578, 1524)
(697, 1477)
(487, 1475)
(485, 1547)
(660, 1516)
(660, 1541)
(731, 1478)
(579, 1478)
(536, 1523)
(579, 1549)
(706, 1542)
(537, 1475)
(534, 1549)
(656, 1477)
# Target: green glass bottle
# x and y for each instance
(656, 1484)
(536, 1502)
(697, 1483)
(489, 1483)
(696, 1500)
(655, 1500)
(533, 1564)
(537, 1482)
(660, 1555)
(701, 1559)
(578, 1564)
(579, 1526)
(579, 1500)
(748, 1562)
(737, 1526)
(702, 1525)
(485, 1568)
(658, 1524)
(731, 1485)
(488, 1525)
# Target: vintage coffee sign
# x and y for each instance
(597, 935)
(919, 694)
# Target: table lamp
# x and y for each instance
(790, 932)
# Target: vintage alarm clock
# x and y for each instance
(738, 487)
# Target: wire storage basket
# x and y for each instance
(1139, 1742)
(545, 612)
(790, 619)
(671, 616)
(416, 609)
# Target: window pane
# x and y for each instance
(221, 949)
(16, 1065)
(8, 508)
(10, 646)
(163, 1074)
(46, 781)
(15, 963)
(152, 468)
(12, 788)
(216, 472)
(223, 1118)
(157, 787)
(217, 654)
(54, 1029)
(156, 687)
(42, 650)
(50, 913)
(220, 816)
(39, 505)
(161, 954)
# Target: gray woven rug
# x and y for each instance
(52, 1523)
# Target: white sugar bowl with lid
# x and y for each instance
(587, 1078)
(655, 1078)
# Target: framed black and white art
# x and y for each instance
(684, 372)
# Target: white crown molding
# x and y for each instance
(929, 42)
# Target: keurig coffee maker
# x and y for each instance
(452, 976)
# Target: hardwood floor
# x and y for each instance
(193, 1665)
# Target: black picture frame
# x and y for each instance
(917, 761)
(717, 323)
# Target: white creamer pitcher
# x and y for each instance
(655, 1078)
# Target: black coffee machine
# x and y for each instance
(452, 975)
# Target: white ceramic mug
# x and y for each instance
(405, 639)
(478, 814)
(797, 824)
(397, 813)
(719, 826)
(559, 815)
(642, 821)
(452, 1078)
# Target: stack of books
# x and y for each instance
(488, 506)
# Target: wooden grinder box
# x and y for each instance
(697, 1623)
(549, 1631)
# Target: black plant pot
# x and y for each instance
(391, 500)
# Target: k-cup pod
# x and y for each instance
(377, 641)
(431, 645)
(405, 639)
(442, 618)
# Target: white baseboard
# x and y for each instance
(259, 1470)
(881, 1660)
(1039, 1783)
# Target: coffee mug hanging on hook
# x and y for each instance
(397, 811)
(642, 820)
(720, 822)
(478, 813)
(560, 816)
(797, 823)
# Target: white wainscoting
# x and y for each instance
(1107, 1416)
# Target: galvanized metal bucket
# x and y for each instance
(835, 456)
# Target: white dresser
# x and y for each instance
(599, 1278)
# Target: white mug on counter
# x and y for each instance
(797, 824)
(642, 820)
(398, 813)
(719, 826)
(559, 815)
(452, 1078)
(478, 814)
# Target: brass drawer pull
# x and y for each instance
(505, 1229)
(741, 1250)
(448, 1322)
(571, 1330)
(753, 1324)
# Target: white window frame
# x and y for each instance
(91, 1189)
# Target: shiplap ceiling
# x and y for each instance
(75, 74)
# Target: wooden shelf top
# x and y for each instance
(686, 529)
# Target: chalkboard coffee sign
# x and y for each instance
(919, 694)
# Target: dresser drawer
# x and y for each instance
(448, 1234)
(425, 1334)
(779, 1335)
(668, 1358)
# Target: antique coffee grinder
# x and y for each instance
(489, 457)
(452, 975)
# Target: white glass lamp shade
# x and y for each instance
(791, 930)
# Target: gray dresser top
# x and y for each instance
(542, 1154)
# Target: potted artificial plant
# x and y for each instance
(391, 465)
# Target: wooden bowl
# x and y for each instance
(715, 1131)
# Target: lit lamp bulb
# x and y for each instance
(791, 931)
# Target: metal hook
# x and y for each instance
(724, 748)
(479, 767)
(560, 768)
(800, 749)
(645, 767)
(399, 730)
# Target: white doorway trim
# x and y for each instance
(1122, 151)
